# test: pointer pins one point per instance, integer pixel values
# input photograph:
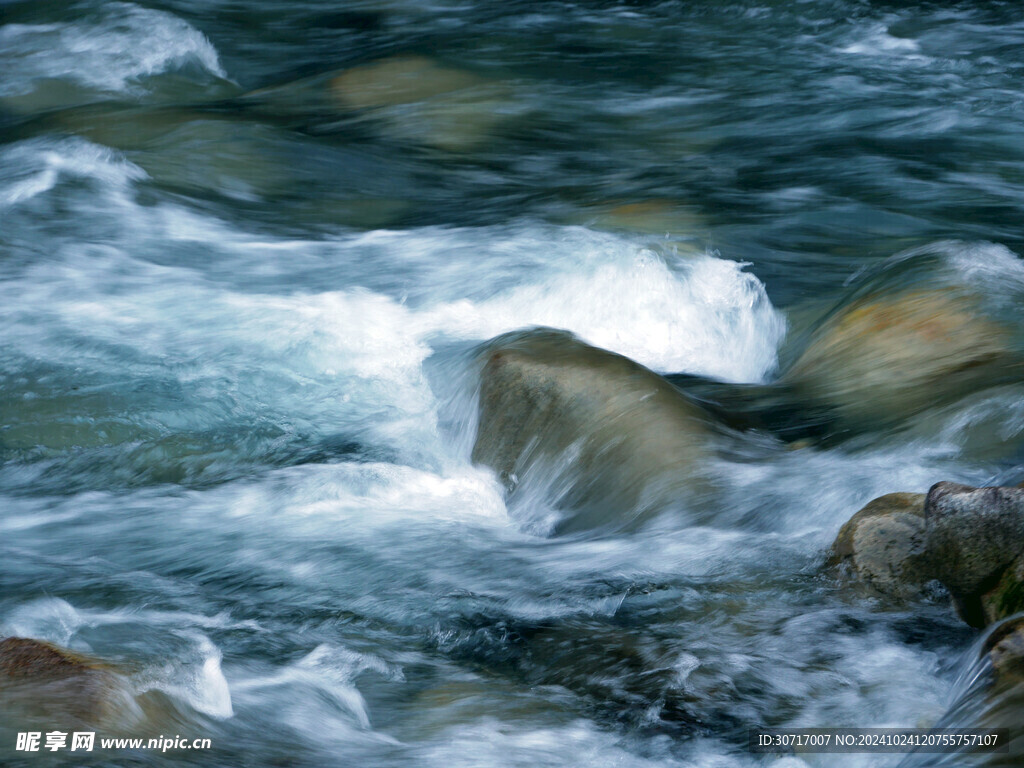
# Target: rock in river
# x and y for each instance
(883, 546)
(41, 682)
(422, 100)
(969, 539)
(1007, 598)
(882, 358)
(973, 536)
(593, 432)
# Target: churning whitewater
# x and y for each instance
(473, 384)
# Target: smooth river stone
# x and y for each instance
(596, 433)
(420, 100)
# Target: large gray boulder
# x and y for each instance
(973, 536)
(600, 437)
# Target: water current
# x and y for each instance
(247, 250)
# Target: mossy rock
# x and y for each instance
(1005, 649)
(1008, 596)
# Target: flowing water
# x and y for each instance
(247, 250)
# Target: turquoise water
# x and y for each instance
(240, 289)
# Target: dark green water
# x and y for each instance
(245, 248)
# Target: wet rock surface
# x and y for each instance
(883, 358)
(40, 681)
(1007, 598)
(600, 433)
(969, 539)
(973, 535)
(1005, 648)
(883, 546)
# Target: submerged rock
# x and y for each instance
(422, 100)
(872, 365)
(408, 98)
(398, 80)
(592, 431)
(41, 681)
(883, 546)
(652, 216)
(883, 358)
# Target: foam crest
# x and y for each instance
(196, 678)
(48, 618)
(876, 41)
(332, 670)
(36, 166)
(194, 675)
(109, 52)
(710, 318)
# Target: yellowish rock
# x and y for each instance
(41, 682)
(398, 80)
(421, 100)
(654, 216)
(884, 358)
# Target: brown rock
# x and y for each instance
(41, 681)
(883, 358)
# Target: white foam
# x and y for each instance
(36, 166)
(699, 314)
(111, 52)
(48, 618)
(709, 317)
(991, 268)
(702, 315)
(332, 670)
(371, 495)
(195, 677)
(489, 741)
(876, 41)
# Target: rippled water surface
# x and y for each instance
(247, 249)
